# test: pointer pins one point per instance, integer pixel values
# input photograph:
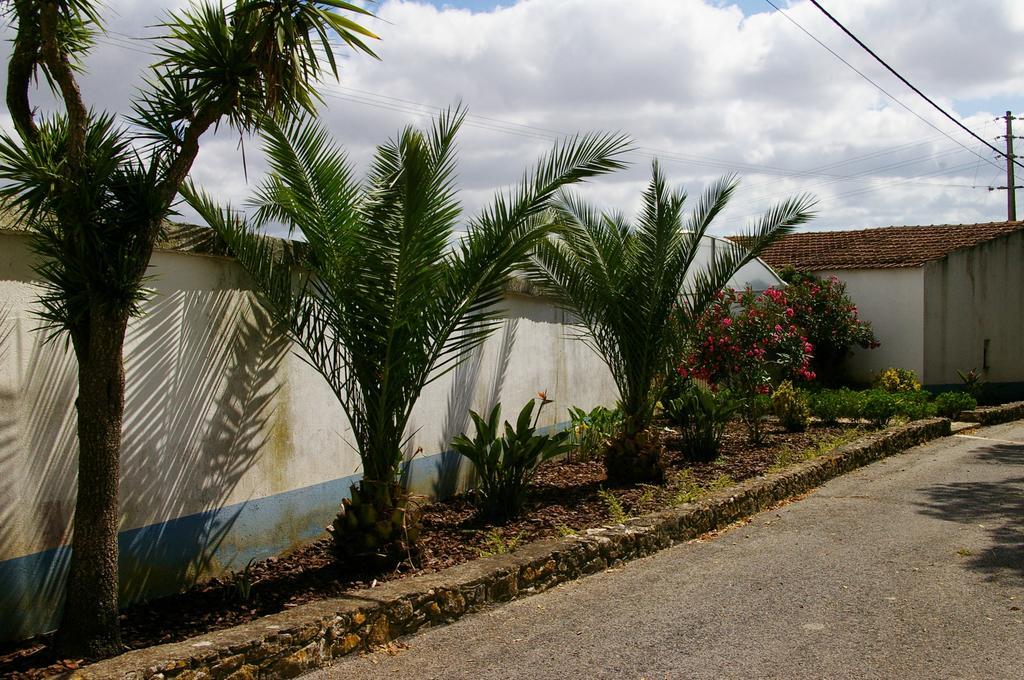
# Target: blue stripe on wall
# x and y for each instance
(164, 558)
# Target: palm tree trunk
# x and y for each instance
(634, 454)
(89, 626)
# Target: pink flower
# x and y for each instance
(727, 322)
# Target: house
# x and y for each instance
(941, 298)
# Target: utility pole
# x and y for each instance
(1011, 187)
(1011, 190)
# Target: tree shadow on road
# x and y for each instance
(998, 506)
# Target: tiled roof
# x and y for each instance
(880, 248)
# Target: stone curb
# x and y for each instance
(309, 636)
(994, 415)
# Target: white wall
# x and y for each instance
(974, 295)
(893, 301)
(233, 447)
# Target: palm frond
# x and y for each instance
(388, 305)
(628, 284)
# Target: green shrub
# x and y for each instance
(831, 405)
(506, 464)
(826, 405)
(790, 407)
(701, 416)
(591, 431)
(897, 380)
(878, 406)
(951, 404)
(914, 405)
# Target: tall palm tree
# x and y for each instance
(384, 302)
(634, 287)
(95, 196)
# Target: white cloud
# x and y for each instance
(699, 85)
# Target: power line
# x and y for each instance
(876, 85)
(908, 83)
(407, 106)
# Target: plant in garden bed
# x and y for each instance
(382, 303)
(616, 512)
(591, 431)
(952, 404)
(788, 455)
(745, 341)
(686, 489)
(973, 382)
(826, 315)
(880, 406)
(831, 405)
(790, 406)
(497, 544)
(701, 415)
(635, 289)
(505, 463)
(897, 380)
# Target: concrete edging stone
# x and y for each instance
(291, 642)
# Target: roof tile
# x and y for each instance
(880, 248)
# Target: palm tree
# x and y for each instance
(634, 288)
(385, 303)
(95, 196)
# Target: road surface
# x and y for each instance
(912, 567)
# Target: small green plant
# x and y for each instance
(687, 488)
(914, 405)
(496, 544)
(831, 405)
(647, 495)
(878, 407)
(973, 383)
(788, 455)
(897, 380)
(790, 407)
(825, 405)
(244, 582)
(565, 530)
(506, 464)
(951, 404)
(614, 506)
(701, 415)
(722, 481)
(591, 431)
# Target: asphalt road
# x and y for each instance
(909, 568)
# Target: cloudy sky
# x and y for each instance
(706, 86)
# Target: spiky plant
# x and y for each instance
(634, 287)
(385, 303)
(95, 197)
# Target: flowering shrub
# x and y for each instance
(829, 319)
(746, 341)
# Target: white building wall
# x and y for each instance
(233, 446)
(975, 297)
(893, 301)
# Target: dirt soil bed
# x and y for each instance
(567, 497)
